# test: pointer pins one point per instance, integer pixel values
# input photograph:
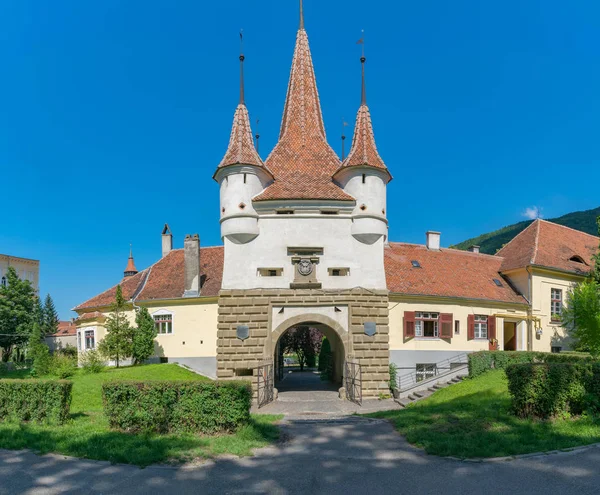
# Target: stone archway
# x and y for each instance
(295, 378)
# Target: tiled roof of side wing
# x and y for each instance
(446, 273)
(165, 279)
(550, 245)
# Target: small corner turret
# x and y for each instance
(364, 176)
(241, 176)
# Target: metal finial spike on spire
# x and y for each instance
(301, 14)
(130, 250)
(363, 59)
(242, 58)
(257, 136)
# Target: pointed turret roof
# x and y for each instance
(302, 161)
(131, 269)
(364, 150)
(241, 149)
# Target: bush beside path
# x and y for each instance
(87, 433)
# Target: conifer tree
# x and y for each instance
(143, 338)
(50, 317)
(17, 303)
(38, 352)
(118, 342)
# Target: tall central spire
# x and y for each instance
(302, 162)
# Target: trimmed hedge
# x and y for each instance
(483, 361)
(164, 407)
(44, 401)
(547, 390)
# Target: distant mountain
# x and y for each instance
(492, 242)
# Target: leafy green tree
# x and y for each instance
(143, 338)
(17, 310)
(51, 319)
(582, 316)
(38, 352)
(305, 342)
(118, 342)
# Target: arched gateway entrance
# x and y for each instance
(355, 321)
(317, 366)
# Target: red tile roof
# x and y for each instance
(90, 316)
(131, 266)
(364, 150)
(446, 273)
(165, 279)
(302, 162)
(65, 328)
(550, 245)
(241, 148)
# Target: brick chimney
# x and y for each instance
(167, 240)
(191, 247)
(433, 240)
(474, 249)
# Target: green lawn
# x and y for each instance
(87, 434)
(472, 419)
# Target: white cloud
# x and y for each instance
(532, 212)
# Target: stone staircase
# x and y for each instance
(427, 388)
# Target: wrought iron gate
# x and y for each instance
(265, 384)
(353, 382)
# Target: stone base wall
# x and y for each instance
(254, 308)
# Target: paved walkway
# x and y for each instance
(349, 456)
(303, 395)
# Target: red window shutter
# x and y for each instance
(446, 322)
(491, 327)
(409, 325)
(471, 327)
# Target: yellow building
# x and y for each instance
(27, 269)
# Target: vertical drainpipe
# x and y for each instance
(530, 311)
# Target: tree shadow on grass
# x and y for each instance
(88, 441)
(481, 425)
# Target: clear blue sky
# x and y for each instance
(115, 114)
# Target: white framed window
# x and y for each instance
(163, 322)
(556, 304)
(481, 327)
(426, 371)
(89, 337)
(427, 325)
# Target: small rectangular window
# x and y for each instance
(90, 341)
(427, 325)
(556, 304)
(415, 264)
(330, 212)
(338, 272)
(285, 212)
(457, 327)
(163, 324)
(481, 327)
(244, 178)
(364, 178)
(426, 371)
(270, 272)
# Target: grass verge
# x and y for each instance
(88, 436)
(472, 419)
